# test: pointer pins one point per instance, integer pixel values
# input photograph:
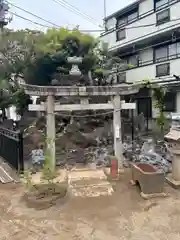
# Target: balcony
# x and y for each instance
(164, 71)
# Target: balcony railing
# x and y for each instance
(142, 63)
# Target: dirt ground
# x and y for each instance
(122, 216)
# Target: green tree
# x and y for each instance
(159, 95)
(16, 52)
(57, 45)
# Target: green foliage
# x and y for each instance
(159, 95)
(48, 173)
(38, 58)
(130, 66)
(28, 179)
(17, 51)
(21, 101)
(57, 45)
(74, 42)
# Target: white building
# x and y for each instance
(146, 34)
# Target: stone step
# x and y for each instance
(89, 183)
(91, 190)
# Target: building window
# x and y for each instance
(160, 4)
(161, 54)
(121, 22)
(167, 52)
(172, 51)
(178, 49)
(162, 70)
(121, 34)
(163, 17)
(170, 102)
(133, 61)
(129, 17)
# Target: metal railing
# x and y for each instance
(11, 148)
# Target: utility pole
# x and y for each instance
(3, 22)
(105, 14)
(3, 12)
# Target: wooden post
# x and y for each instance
(118, 150)
(51, 130)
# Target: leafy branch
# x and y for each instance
(159, 94)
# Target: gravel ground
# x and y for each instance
(122, 216)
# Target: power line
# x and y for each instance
(29, 20)
(34, 15)
(76, 11)
(83, 30)
(46, 26)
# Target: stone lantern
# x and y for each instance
(173, 139)
(75, 61)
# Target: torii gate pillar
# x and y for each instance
(51, 130)
(118, 149)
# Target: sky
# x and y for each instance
(59, 15)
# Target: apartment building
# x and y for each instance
(146, 35)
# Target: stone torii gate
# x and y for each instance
(50, 107)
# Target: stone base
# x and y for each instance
(149, 196)
(89, 183)
(133, 183)
(153, 195)
(175, 184)
(107, 171)
(150, 181)
(86, 174)
(121, 170)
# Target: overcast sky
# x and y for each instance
(57, 14)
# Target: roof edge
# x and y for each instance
(123, 10)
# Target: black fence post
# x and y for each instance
(21, 152)
(11, 148)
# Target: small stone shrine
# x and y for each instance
(173, 139)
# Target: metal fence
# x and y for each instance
(11, 148)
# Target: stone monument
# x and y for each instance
(173, 139)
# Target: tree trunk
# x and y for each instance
(90, 78)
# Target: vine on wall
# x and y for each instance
(158, 94)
